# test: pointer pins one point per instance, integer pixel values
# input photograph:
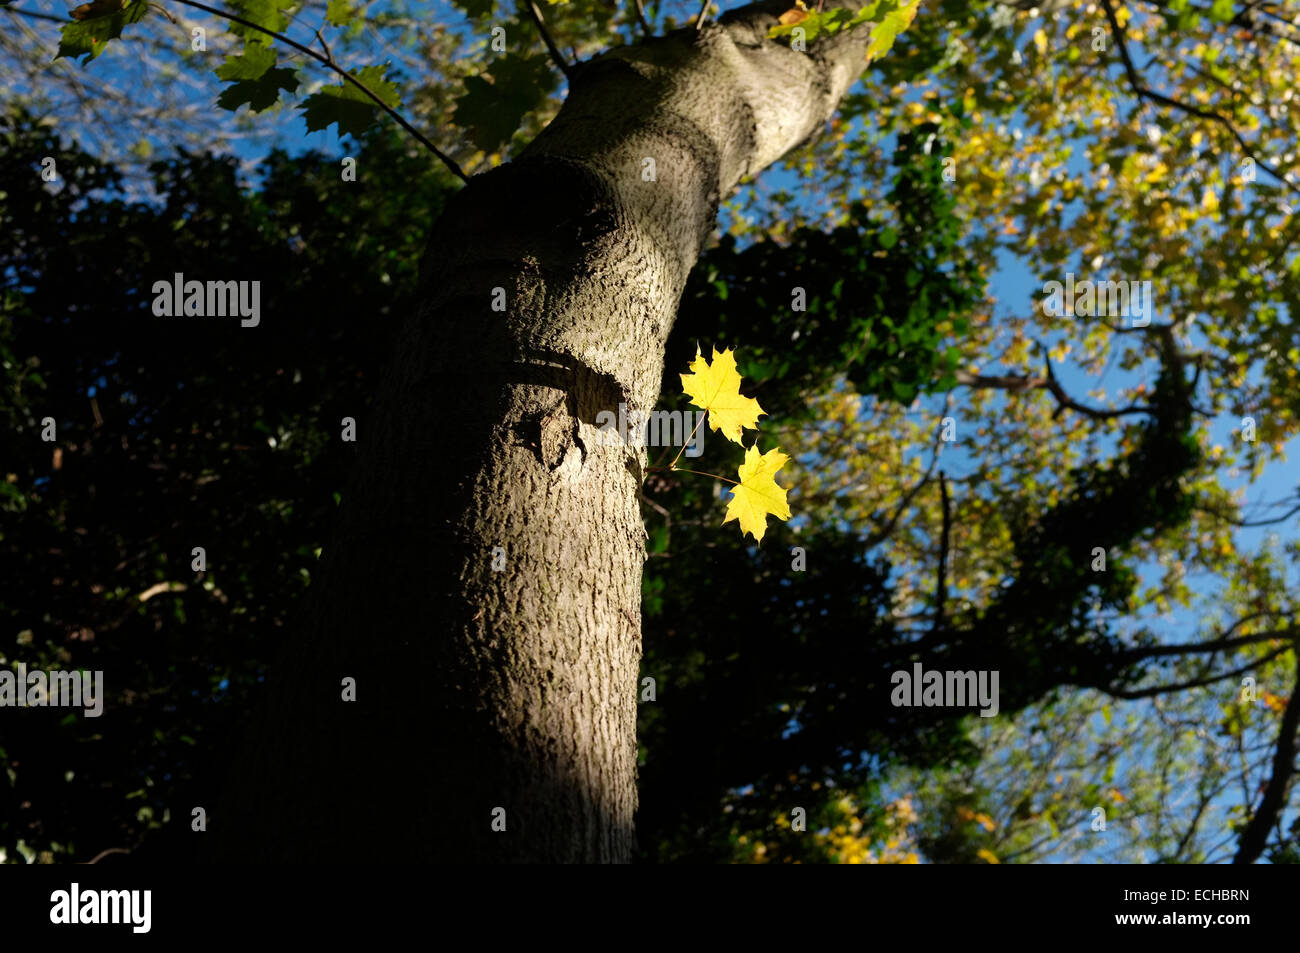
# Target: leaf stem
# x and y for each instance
(673, 465)
(676, 469)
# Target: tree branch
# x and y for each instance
(1268, 522)
(1255, 835)
(1144, 92)
(1154, 690)
(1217, 645)
(35, 15)
(941, 584)
(646, 32)
(556, 56)
(1048, 382)
(348, 77)
(883, 534)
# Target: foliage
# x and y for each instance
(157, 453)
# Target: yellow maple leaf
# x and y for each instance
(758, 493)
(716, 387)
(987, 855)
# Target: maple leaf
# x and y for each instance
(716, 387)
(758, 493)
(346, 105)
(94, 25)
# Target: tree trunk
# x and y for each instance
(483, 583)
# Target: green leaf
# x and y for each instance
(348, 106)
(827, 21)
(1221, 11)
(261, 93)
(268, 14)
(339, 12)
(252, 64)
(896, 18)
(87, 38)
(494, 105)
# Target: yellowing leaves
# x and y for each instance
(987, 856)
(716, 387)
(758, 494)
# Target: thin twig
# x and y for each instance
(941, 585)
(1195, 683)
(327, 62)
(1217, 645)
(640, 15)
(556, 56)
(37, 16)
(325, 46)
(704, 15)
(104, 853)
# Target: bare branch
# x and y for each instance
(704, 15)
(35, 15)
(941, 585)
(1268, 522)
(640, 16)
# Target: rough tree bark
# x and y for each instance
(516, 688)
